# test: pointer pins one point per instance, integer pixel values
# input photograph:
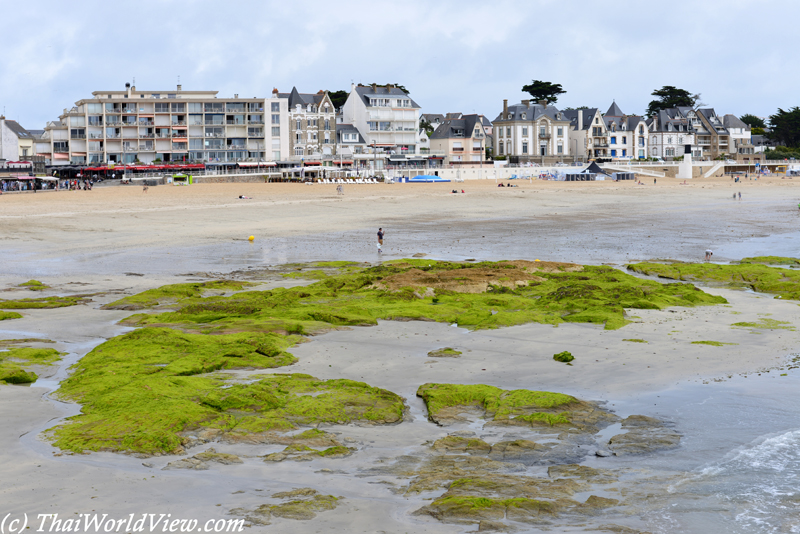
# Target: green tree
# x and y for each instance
(338, 98)
(427, 126)
(671, 97)
(574, 109)
(752, 121)
(401, 87)
(786, 127)
(540, 90)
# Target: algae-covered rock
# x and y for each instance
(4, 315)
(188, 463)
(300, 504)
(445, 352)
(30, 355)
(646, 435)
(461, 444)
(564, 357)
(174, 293)
(302, 453)
(201, 460)
(34, 285)
(43, 303)
(522, 407)
(14, 374)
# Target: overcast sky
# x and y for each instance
(462, 55)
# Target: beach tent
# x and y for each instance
(595, 168)
(426, 178)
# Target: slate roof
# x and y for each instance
(572, 116)
(614, 111)
(448, 128)
(430, 117)
(532, 112)
(732, 121)
(304, 99)
(349, 128)
(366, 91)
(18, 130)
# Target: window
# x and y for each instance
(524, 130)
(276, 107)
(298, 151)
(524, 147)
(641, 129)
(560, 131)
(500, 148)
(276, 119)
(276, 131)
(613, 140)
(195, 107)
(162, 107)
(560, 147)
(327, 124)
(94, 108)
(613, 153)
(523, 116)
(624, 140)
(624, 153)
(669, 140)
(508, 131)
(179, 108)
(654, 139)
(542, 131)
(299, 125)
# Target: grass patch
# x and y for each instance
(315, 274)
(9, 315)
(446, 352)
(13, 362)
(712, 343)
(766, 324)
(174, 292)
(771, 260)
(635, 340)
(784, 283)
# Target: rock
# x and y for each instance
(603, 453)
(211, 455)
(493, 526)
(187, 463)
(641, 420)
(460, 444)
(516, 450)
(446, 352)
(147, 464)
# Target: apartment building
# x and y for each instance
(16, 143)
(302, 124)
(386, 117)
(670, 130)
(531, 132)
(742, 147)
(627, 134)
(144, 126)
(460, 140)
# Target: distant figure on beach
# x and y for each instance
(339, 190)
(654, 181)
(244, 197)
(740, 195)
(380, 239)
(734, 196)
(709, 253)
(145, 188)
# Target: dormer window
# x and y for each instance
(523, 116)
(509, 116)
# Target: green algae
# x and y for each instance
(34, 285)
(784, 283)
(636, 340)
(712, 343)
(8, 342)
(564, 357)
(14, 360)
(42, 303)
(771, 260)
(516, 406)
(174, 292)
(315, 274)
(140, 391)
(14, 374)
(402, 290)
(446, 352)
(9, 315)
(765, 324)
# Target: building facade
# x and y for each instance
(460, 140)
(302, 125)
(588, 136)
(16, 143)
(133, 126)
(670, 130)
(531, 132)
(627, 134)
(386, 116)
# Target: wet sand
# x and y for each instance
(71, 238)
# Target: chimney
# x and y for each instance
(179, 87)
(374, 87)
(128, 89)
(580, 119)
(543, 103)
(235, 95)
(275, 92)
(526, 103)
(505, 107)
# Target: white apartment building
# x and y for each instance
(531, 131)
(670, 130)
(302, 125)
(144, 126)
(386, 116)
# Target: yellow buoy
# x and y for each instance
(536, 260)
(251, 238)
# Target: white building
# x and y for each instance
(670, 130)
(588, 136)
(385, 116)
(531, 131)
(16, 143)
(301, 125)
(627, 134)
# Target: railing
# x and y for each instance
(600, 144)
(544, 135)
(235, 147)
(77, 136)
(178, 110)
(214, 123)
(234, 110)
(145, 123)
(235, 122)
(179, 123)
(129, 149)
(112, 124)
(95, 124)
(255, 134)
(255, 122)
(146, 136)
(214, 135)
(146, 148)
(178, 134)
(129, 110)
(130, 124)
(458, 149)
(163, 136)
(162, 110)
(115, 110)
(214, 110)
(112, 136)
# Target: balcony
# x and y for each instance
(179, 134)
(145, 123)
(130, 124)
(600, 144)
(115, 111)
(129, 149)
(146, 136)
(95, 124)
(163, 136)
(77, 136)
(544, 135)
(129, 110)
(112, 136)
(255, 122)
(214, 123)
(179, 123)
(458, 149)
(234, 122)
(146, 148)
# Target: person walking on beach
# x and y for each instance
(740, 195)
(709, 253)
(380, 239)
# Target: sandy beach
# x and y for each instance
(116, 241)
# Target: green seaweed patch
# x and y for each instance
(141, 390)
(34, 285)
(14, 374)
(31, 356)
(765, 324)
(9, 315)
(771, 260)
(174, 292)
(712, 343)
(636, 340)
(43, 303)
(521, 406)
(315, 274)
(446, 352)
(19, 341)
(594, 294)
(565, 357)
(784, 283)
(467, 505)
(336, 264)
